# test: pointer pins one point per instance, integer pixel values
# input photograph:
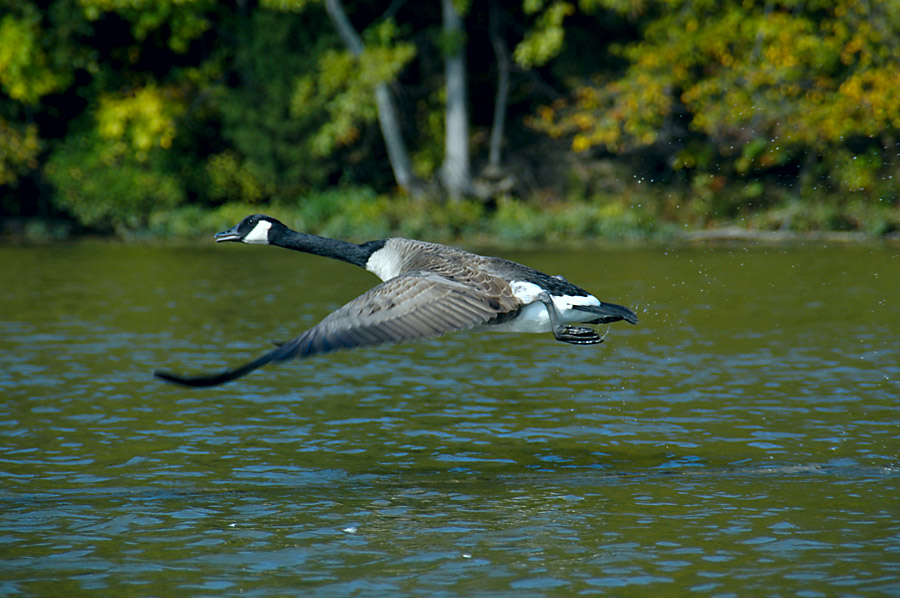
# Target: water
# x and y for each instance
(743, 439)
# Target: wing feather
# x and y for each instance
(414, 305)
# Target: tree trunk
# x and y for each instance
(455, 172)
(387, 109)
(502, 96)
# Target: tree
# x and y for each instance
(501, 97)
(33, 64)
(743, 89)
(387, 109)
(456, 172)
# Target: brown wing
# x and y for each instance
(411, 306)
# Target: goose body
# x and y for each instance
(427, 289)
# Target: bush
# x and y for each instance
(107, 192)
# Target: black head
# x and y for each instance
(257, 228)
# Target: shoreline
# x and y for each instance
(25, 231)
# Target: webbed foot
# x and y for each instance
(577, 335)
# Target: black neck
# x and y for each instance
(333, 248)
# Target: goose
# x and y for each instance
(427, 290)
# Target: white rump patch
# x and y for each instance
(259, 234)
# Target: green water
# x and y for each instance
(742, 440)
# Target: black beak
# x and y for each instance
(228, 235)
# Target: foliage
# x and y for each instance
(24, 71)
(545, 40)
(138, 122)
(173, 115)
(745, 89)
(108, 189)
(114, 175)
(231, 178)
(182, 20)
(261, 138)
(39, 51)
(19, 147)
(344, 85)
(605, 216)
(34, 63)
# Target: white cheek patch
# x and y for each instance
(259, 234)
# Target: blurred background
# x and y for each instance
(743, 439)
(518, 120)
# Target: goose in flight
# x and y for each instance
(427, 290)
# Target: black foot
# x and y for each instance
(577, 335)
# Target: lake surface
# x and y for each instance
(742, 440)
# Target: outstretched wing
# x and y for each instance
(412, 306)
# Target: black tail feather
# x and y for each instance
(609, 312)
